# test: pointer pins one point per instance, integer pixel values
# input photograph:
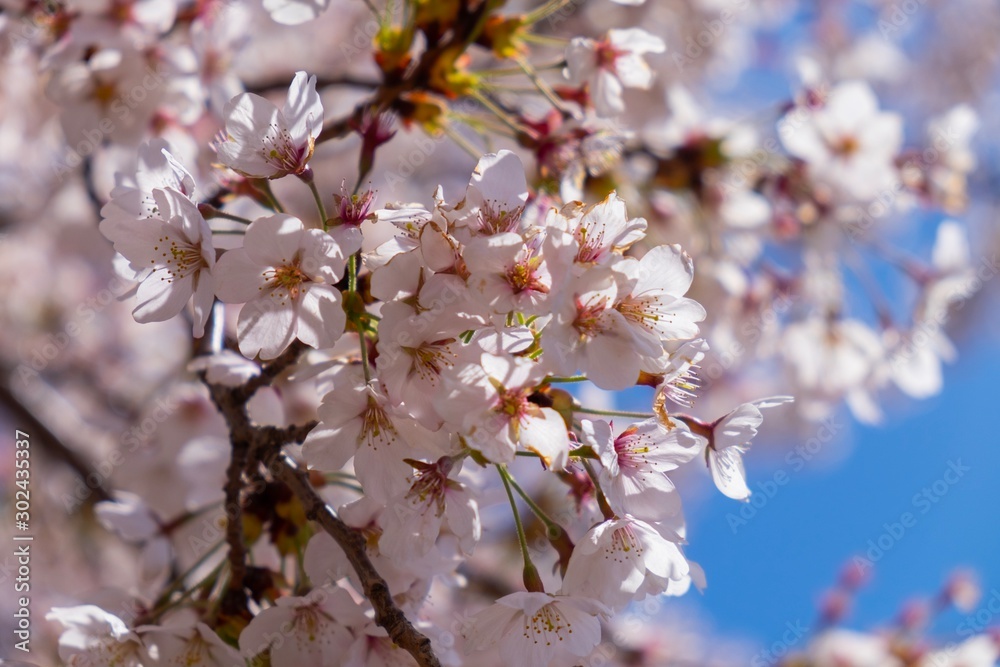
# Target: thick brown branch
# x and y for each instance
(242, 435)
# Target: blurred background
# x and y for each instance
(830, 493)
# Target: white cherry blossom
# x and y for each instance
(310, 630)
(92, 636)
(263, 141)
(174, 257)
(624, 559)
(848, 143)
(612, 64)
(357, 420)
(730, 440)
(284, 275)
(414, 519)
(490, 403)
(190, 644)
(537, 628)
(635, 463)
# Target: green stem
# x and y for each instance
(602, 500)
(352, 286)
(352, 273)
(163, 602)
(570, 378)
(497, 111)
(229, 216)
(614, 413)
(319, 203)
(265, 187)
(531, 579)
(543, 87)
(550, 525)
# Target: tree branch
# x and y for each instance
(387, 614)
(252, 445)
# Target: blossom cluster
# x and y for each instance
(433, 368)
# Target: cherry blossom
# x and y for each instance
(612, 64)
(635, 462)
(284, 275)
(491, 402)
(537, 628)
(848, 142)
(263, 141)
(624, 559)
(730, 440)
(176, 249)
(309, 630)
(414, 519)
(92, 636)
(190, 644)
(358, 421)
(130, 517)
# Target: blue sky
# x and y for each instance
(773, 569)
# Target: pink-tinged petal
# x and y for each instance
(649, 496)
(438, 249)
(633, 72)
(328, 448)
(611, 363)
(265, 328)
(665, 267)
(606, 94)
(238, 279)
(636, 40)
(295, 12)
(322, 257)
(274, 240)
(382, 472)
(201, 304)
(320, 316)
(462, 513)
(581, 60)
(303, 110)
(727, 471)
(251, 124)
(161, 296)
(173, 204)
(545, 434)
(499, 181)
(678, 319)
(738, 427)
(157, 168)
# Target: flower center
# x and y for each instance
(376, 427)
(179, 258)
(545, 622)
(285, 282)
(588, 319)
(494, 220)
(430, 358)
(278, 148)
(847, 146)
(641, 311)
